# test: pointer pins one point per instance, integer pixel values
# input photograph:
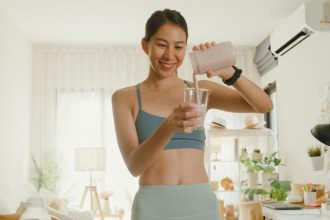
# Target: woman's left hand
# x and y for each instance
(225, 73)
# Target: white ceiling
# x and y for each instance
(244, 22)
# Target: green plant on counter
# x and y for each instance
(314, 151)
(279, 189)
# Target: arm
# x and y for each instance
(246, 97)
(138, 157)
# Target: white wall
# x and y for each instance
(15, 98)
(300, 77)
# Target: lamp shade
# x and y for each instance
(322, 133)
(90, 159)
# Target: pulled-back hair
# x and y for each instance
(159, 18)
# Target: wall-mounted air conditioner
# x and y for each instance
(310, 17)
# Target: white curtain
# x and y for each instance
(72, 89)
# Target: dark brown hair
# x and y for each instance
(159, 18)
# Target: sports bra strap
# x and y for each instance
(138, 93)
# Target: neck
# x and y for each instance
(156, 82)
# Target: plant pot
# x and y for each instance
(317, 162)
(252, 179)
(266, 179)
(256, 156)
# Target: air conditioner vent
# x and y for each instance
(302, 35)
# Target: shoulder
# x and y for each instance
(124, 93)
(125, 96)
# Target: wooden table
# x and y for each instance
(303, 214)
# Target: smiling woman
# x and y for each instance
(156, 129)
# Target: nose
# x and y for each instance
(169, 53)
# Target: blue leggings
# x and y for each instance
(175, 202)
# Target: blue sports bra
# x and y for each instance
(147, 123)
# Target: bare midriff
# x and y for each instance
(176, 167)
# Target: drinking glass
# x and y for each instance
(199, 97)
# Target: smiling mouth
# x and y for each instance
(167, 65)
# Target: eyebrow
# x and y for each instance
(178, 42)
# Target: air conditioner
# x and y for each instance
(310, 17)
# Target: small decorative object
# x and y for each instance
(243, 152)
(215, 185)
(227, 184)
(105, 195)
(251, 121)
(256, 154)
(316, 157)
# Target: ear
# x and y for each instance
(144, 45)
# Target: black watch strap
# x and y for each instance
(234, 78)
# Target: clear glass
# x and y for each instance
(199, 97)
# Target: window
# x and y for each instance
(84, 119)
(271, 117)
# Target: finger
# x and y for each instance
(191, 123)
(202, 46)
(188, 130)
(213, 43)
(208, 45)
(196, 48)
(188, 105)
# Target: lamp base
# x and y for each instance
(93, 195)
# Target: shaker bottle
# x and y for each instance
(215, 58)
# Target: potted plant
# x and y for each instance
(316, 157)
(279, 189)
(255, 194)
(268, 165)
(256, 154)
(252, 168)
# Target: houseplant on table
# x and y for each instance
(268, 165)
(279, 189)
(316, 157)
(252, 169)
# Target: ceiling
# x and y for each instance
(244, 22)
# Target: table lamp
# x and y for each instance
(90, 159)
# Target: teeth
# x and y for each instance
(168, 65)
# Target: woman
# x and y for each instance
(153, 126)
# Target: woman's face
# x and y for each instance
(166, 49)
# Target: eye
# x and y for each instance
(179, 47)
(162, 45)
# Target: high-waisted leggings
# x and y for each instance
(175, 202)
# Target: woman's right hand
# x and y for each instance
(185, 117)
